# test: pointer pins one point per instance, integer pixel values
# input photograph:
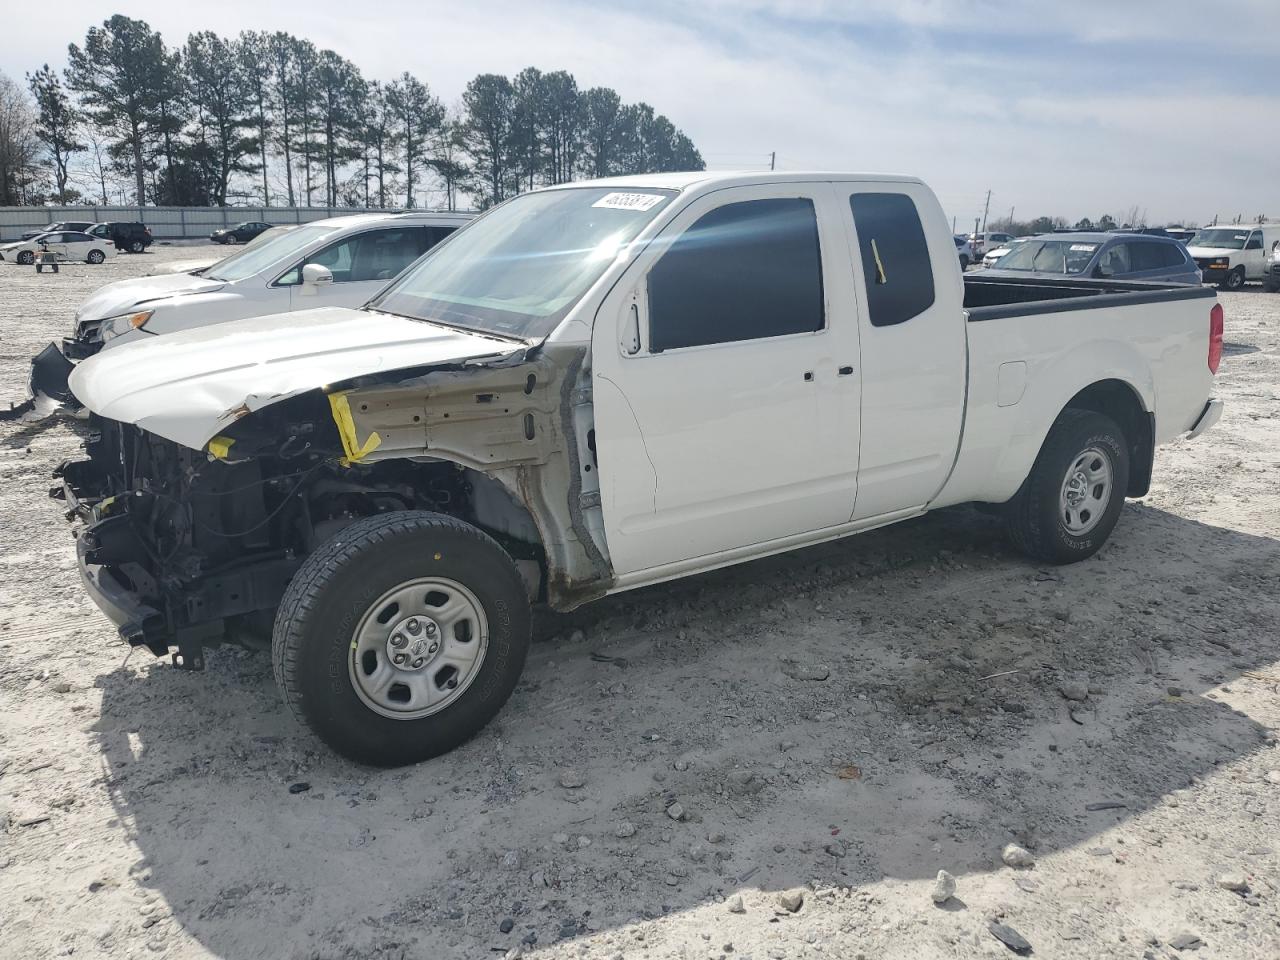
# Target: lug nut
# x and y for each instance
(399, 659)
(398, 640)
(417, 663)
(413, 625)
(433, 648)
(431, 629)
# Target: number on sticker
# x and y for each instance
(628, 201)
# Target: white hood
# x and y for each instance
(123, 295)
(188, 386)
(1211, 251)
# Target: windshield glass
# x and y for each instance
(519, 270)
(1049, 256)
(1232, 239)
(257, 257)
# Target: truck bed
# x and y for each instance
(990, 298)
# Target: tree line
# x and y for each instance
(270, 119)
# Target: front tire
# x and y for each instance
(401, 637)
(26, 258)
(1071, 501)
(1234, 280)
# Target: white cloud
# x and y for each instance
(969, 96)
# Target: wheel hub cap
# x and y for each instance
(418, 647)
(1086, 491)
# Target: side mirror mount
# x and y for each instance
(630, 341)
(315, 277)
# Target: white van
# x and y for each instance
(1229, 256)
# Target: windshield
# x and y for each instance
(518, 271)
(257, 257)
(1223, 239)
(1049, 256)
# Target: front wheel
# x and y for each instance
(401, 637)
(1072, 499)
(96, 256)
(1234, 280)
(26, 258)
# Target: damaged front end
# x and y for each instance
(186, 548)
(47, 390)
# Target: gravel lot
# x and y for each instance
(671, 773)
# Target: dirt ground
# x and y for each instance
(153, 812)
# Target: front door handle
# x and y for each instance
(845, 371)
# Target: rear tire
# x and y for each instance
(1234, 280)
(96, 257)
(137, 246)
(373, 578)
(1071, 501)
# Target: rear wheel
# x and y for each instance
(1071, 501)
(1234, 280)
(137, 246)
(401, 637)
(96, 256)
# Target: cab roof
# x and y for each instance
(727, 178)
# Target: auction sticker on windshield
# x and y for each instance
(629, 201)
(1083, 247)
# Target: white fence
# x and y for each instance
(166, 223)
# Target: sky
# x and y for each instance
(1058, 108)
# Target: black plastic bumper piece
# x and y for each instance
(46, 387)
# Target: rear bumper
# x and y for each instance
(1209, 416)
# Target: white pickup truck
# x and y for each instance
(594, 388)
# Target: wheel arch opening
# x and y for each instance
(1119, 401)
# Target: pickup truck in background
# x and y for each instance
(593, 388)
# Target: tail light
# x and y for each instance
(1215, 337)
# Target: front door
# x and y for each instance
(726, 386)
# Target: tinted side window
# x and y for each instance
(382, 254)
(436, 234)
(1116, 259)
(742, 272)
(895, 257)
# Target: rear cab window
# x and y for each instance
(895, 257)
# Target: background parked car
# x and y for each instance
(342, 262)
(133, 237)
(1111, 256)
(992, 257)
(69, 245)
(78, 226)
(1230, 256)
(240, 233)
(980, 243)
(962, 249)
(1181, 234)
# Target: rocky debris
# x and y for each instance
(1186, 941)
(1272, 776)
(791, 900)
(803, 670)
(735, 904)
(1106, 805)
(571, 779)
(62, 686)
(1010, 937)
(576, 636)
(511, 859)
(1074, 690)
(675, 811)
(1099, 851)
(944, 888)
(506, 926)
(1173, 690)
(1235, 882)
(300, 787)
(624, 829)
(1016, 856)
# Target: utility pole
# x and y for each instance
(773, 158)
(1011, 209)
(985, 210)
(953, 224)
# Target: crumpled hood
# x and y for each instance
(188, 386)
(123, 295)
